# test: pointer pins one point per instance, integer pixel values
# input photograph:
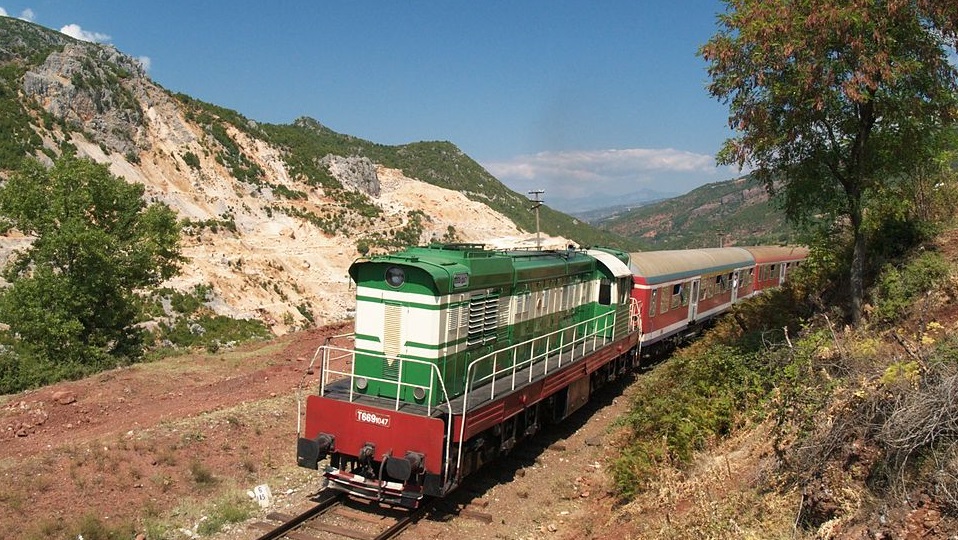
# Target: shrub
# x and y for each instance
(192, 160)
(899, 287)
(687, 402)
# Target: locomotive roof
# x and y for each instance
(484, 266)
(610, 261)
(662, 266)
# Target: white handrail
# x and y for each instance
(532, 360)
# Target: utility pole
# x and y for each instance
(536, 203)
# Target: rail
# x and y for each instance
(552, 344)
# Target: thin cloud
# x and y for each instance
(603, 164)
(603, 173)
(145, 62)
(3, 12)
(74, 31)
(27, 15)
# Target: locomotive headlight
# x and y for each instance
(395, 276)
(361, 383)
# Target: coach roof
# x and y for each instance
(662, 266)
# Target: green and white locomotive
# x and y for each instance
(459, 351)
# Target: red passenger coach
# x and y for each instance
(679, 290)
(774, 263)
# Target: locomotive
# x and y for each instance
(459, 351)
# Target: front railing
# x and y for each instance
(335, 355)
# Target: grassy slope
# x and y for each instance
(735, 211)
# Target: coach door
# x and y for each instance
(694, 300)
(735, 278)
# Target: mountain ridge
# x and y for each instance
(272, 215)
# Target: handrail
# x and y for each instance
(599, 330)
(608, 324)
(307, 372)
(351, 375)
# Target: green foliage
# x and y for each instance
(899, 288)
(192, 160)
(193, 228)
(233, 507)
(71, 302)
(18, 139)
(24, 45)
(292, 194)
(702, 393)
(215, 120)
(697, 219)
(831, 103)
(686, 403)
(189, 303)
(211, 331)
(307, 314)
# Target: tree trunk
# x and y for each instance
(856, 277)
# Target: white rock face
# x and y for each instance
(264, 253)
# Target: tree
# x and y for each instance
(832, 99)
(71, 301)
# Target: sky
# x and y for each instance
(590, 101)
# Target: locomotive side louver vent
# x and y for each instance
(392, 340)
(483, 318)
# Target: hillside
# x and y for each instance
(272, 214)
(722, 213)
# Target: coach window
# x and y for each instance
(605, 292)
(664, 300)
(655, 296)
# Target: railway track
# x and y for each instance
(336, 515)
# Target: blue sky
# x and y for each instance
(592, 100)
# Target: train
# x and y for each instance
(460, 351)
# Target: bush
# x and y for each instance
(211, 331)
(684, 404)
(192, 160)
(898, 288)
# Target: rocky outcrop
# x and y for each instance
(93, 89)
(354, 171)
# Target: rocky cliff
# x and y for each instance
(273, 240)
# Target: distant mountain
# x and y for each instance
(599, 215)
(597, 205)
(735, 212)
